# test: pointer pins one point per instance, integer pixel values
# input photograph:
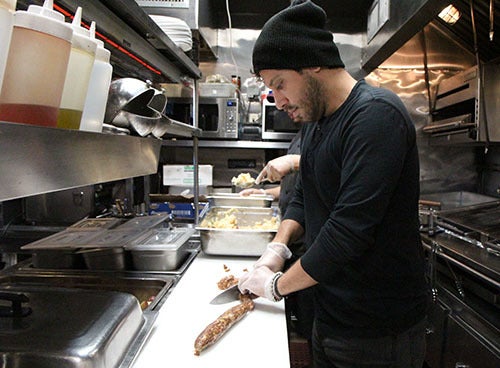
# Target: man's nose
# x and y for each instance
(280, 101)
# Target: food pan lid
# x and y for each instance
(162, 239)
(64, 239)
(94, 224)
(113, 238)
(53, 331)
(143, 222)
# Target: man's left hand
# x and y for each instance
(258, 281)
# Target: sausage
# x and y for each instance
(226, 282)
(221, 325)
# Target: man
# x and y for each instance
(356, 202)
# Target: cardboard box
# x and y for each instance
(183, 175)
(179, 210)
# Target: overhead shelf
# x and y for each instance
(37, 160)
(139, 48)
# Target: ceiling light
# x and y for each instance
(450, 14)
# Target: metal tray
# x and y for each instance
(236, 200)
(238, 242)
(452, 200)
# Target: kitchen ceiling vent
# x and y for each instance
(181, 4)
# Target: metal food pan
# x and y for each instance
(237, 241)
(236, 200)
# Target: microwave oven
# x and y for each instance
(218, 117)
(276, 124)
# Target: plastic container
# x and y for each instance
(81, 62)
(36, 66)
(97, 93)
(7, 8)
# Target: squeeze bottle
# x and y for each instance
(7, 8)
(97, 94)
(36, 66)
(81, 61)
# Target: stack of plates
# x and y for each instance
(176, 29)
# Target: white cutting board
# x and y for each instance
(259, 338)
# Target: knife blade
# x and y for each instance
(229, 295)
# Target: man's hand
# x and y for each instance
(259, 281)
(274, 257)
(277, 168)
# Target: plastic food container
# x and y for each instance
(160, 249)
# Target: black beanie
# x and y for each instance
(296, 38)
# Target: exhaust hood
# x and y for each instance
(410, 17)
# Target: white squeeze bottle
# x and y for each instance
(36, 66)
(81, 61)
(7, 8)
(97, 94)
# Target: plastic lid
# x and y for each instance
(9, 4)
(81, 36)
(101, 54)
(44, 19)
(47, 10)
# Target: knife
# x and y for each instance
(229, 295)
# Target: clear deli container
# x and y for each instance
(160, 249)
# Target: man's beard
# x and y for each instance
(313, 102)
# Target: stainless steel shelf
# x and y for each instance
(131, 29)
(37, 160)
(227, 144)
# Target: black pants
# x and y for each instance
(405, 350)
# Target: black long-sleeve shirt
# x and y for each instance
(357, 198)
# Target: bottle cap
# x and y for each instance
(44, 19)
(81, 36)
(101, 53)
(8, 4)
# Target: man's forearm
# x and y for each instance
(288, 231)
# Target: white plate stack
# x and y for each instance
(176, 29)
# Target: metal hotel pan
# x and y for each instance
(234, 199)
(238, 242)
